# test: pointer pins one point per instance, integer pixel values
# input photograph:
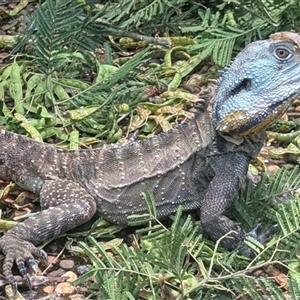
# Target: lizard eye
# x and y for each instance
(282, 53)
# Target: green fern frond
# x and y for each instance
(117, 278)
(246, 289)
(163, 256)
(132, 15)
(288, 216)
(255, 201)
(270, 289)
(53, 32)
(263, 9)
(294, 288)
(223, 51)
(288, 220)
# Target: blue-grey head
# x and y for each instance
(258, 86)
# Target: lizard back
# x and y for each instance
(116, 175)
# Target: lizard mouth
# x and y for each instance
(240, 123)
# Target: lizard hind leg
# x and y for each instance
(65, 205)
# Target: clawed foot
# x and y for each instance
(21, 252)
(262, 237)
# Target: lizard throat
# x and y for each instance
(240, 124)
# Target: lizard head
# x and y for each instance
(258, 86)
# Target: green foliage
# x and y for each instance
(265, 193)
(49, 89)
(45, 100)
(57, 88)
(58, 27)
(178, 263)
(60, 88)
(159, 267)
(220, 26)
(295, 288)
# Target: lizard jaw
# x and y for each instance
(239, 124)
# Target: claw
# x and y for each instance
(255, 231)
(23, 270)
(273, 229)
(28, 280)
(43, 255)
(14, 287)
(31, 263)
(266, 236)
(21, 267)
(22, 253)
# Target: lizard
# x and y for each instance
(199, 164)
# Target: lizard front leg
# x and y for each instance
(229, 174)
(65, 205)
(218, 197)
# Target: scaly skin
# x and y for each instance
(201, 163)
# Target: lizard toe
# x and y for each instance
(263, 238)
(266, 236)
(21, 266)
(255, 231)
(28, 280)
(30, 263)
(23, 271)
(21, 252)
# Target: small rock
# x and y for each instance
(65, 289)
(272, 169)
(49, 289)
(52, 260)
(72, 276)
(57, 273)
(83, 269)
(67, 264)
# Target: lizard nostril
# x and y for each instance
(245, 84)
